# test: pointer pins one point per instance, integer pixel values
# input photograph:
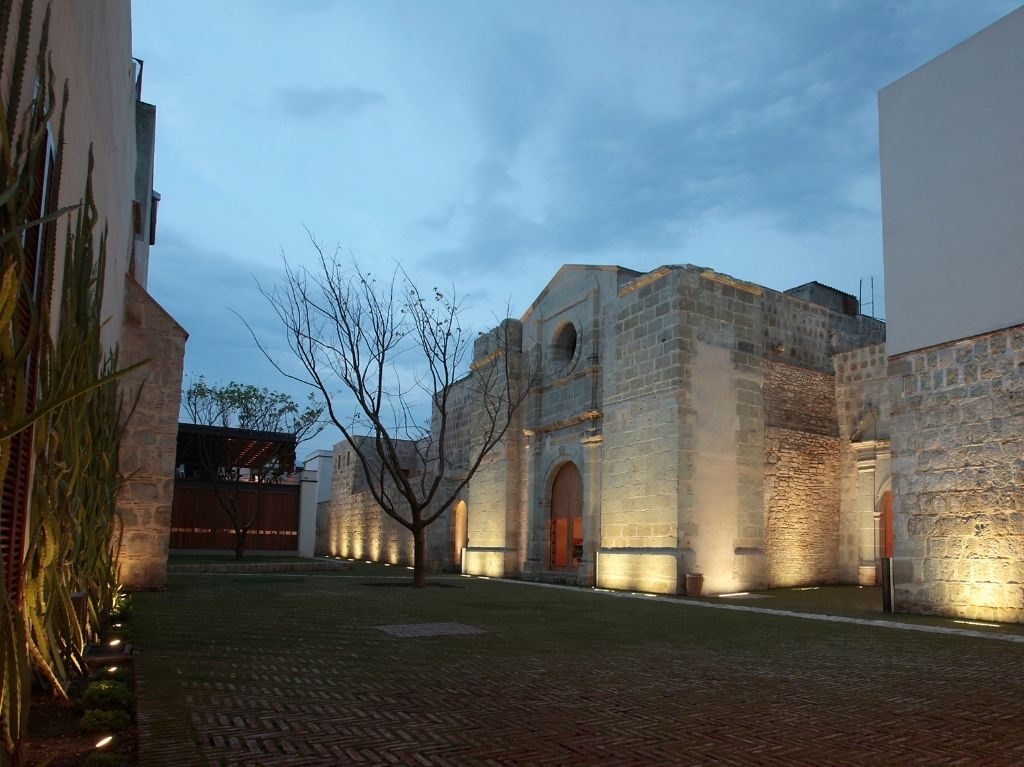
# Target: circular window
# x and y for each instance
(563, 347)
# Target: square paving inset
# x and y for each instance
(429, 629)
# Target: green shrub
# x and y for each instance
(98, 720)
(108, 694)
(122, 608)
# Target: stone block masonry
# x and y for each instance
(150, 440)
(958, 477)
(700, 413)
(801, 507)
(862, 404)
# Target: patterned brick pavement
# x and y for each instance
(292, 670)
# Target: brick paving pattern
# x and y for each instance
(286, 670)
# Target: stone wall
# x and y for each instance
(665, 395)
(722, 521)
(862, 403)
(958, 477)
(640, 482)
(353, 525)
(801, 507)
(799, 399)
(801, 496)
(149, 445)
(808, 335)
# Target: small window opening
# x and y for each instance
(563, 347)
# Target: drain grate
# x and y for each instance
(430, 629)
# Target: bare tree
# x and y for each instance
(391, 363)
(248, 407)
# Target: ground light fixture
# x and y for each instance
(105, 741)
(115, 642)
(111, 669)
(736, 594)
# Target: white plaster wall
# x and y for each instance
(952, 162)
(91, 47)
(321, 462)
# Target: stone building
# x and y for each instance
(685, 422)
(952, 164)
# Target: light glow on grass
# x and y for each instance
(115, 642)
(806, 588)
(979, 623)
(105, 741)
(111, 669)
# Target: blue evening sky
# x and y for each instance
(483, 144)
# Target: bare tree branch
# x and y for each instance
(395, 350)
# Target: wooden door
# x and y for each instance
(888, 538)
(460, 530)
(567, 518)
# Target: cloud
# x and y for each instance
(304, 102)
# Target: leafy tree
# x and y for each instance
(252, 408)
(397, 352)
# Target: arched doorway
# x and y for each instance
(460, 531)
(567, 518)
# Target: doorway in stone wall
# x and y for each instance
(460, 532)
(886, 539)
(567, 518)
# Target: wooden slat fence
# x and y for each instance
(198, 521)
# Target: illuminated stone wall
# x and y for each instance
(722, 450)
(639, 513)
(352, 525)
(862, 399)
(958, 477)
(150, 439)
(801, 507)
(700, 411)
(564, 416)
(801, 494)
(495, 509)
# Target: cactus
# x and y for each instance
(76, 421)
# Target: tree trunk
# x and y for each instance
(419, 557)
(240, 544)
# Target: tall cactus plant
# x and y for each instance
(75, 412)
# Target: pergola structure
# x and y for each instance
(203, 447)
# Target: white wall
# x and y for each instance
(952, 161)
(91, 48)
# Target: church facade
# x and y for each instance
(686, 428)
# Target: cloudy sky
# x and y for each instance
(484, 144)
